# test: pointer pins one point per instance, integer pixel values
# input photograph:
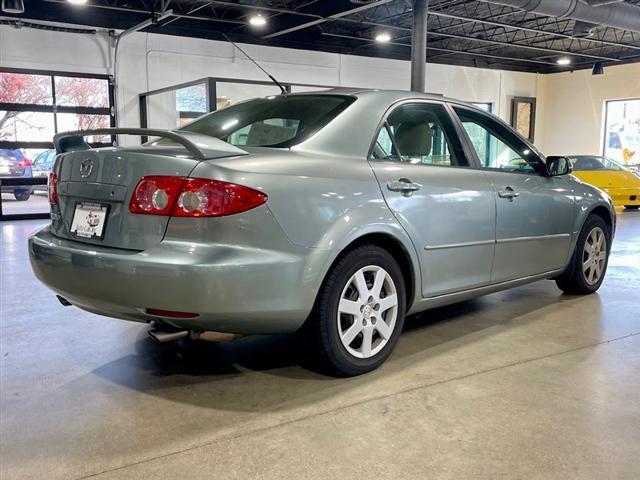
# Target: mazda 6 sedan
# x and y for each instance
(334, 213)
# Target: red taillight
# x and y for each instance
(192, 197)
(156, 195)
(24, 163)
(53, 188)
(170, 313)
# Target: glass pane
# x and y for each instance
(81, 121)
(82, 92)
(487, 107)
(277, 121)
(383, 148)
(622, 141)
(21, 199)
(420, 135)
(232, 93)
(191, 102)
(26, 126)
(493, 149)
(25, 88)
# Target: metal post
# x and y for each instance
(419, 45)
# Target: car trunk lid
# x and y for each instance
(100, 182)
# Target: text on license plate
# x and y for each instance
(89, 220)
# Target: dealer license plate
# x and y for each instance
(89, 220)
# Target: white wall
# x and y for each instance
(571, 107)
(150, 61)
(569, 104)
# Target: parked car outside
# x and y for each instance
(619, 182)
(334, 214)
(14, 164)
(42, 166)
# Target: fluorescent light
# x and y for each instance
(77, 2)
(563, 61)
(383, 37)
(257, 20)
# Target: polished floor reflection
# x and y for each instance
(527, 383)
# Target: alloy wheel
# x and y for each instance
(367, 311)
(594, 256)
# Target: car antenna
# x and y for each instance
(282, 89)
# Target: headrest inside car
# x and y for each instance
(414, 139)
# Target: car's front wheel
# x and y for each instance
(588, 265)
(359, 312)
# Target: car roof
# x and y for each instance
(390, 96)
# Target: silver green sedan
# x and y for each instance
(340, 212)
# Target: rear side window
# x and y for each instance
(419, 133)
(277, 121)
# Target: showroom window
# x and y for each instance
(622, 131)
(34, 106)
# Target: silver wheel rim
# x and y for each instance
(594, 256)
(367, 311)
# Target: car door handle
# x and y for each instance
(403, 185)
(509, 193)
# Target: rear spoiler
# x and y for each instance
(200, 146)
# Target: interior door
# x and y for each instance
(447, 207)
(534, 211)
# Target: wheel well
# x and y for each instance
(603, 213)
(397, 251)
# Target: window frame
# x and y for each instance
(501, 125)
(453, 124)
(54, 109)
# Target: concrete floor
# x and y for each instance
(527, 383)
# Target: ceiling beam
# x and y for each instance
(448, 50)
(335, 16)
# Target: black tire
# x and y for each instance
(22, 196)
(632, 207)
(333, 357)
(573, 280)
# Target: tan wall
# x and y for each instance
(571, 107)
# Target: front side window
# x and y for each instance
(497, 147)
(277, 121)
(423, 134)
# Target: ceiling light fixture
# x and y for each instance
(78, 2)
(13, 6)
(257, 20)
(563, 61)
(383, 37)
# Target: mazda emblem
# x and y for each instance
(86, 167)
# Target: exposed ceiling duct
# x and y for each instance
(617, 14)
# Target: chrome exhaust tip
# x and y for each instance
(63, 301)
(163, 337)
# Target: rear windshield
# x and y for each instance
(594, 163)
(277, 121)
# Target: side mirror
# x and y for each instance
(558, 165)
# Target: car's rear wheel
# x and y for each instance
(22, 196)
(632, 207)
(588, 265)
(359, 312)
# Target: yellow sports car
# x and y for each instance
(622, 185)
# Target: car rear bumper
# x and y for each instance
(231, 288)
